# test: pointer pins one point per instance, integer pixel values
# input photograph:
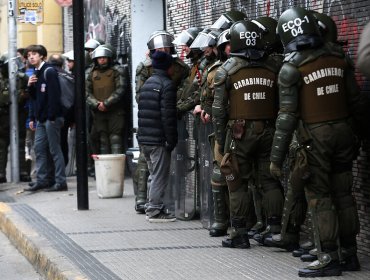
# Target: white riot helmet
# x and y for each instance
(102, 51)
(92, 44)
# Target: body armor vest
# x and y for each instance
(103, 84)
(322, 96)
(253, 94)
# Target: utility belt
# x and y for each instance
(239, 127)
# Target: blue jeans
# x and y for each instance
(47, 139)
(158, 159)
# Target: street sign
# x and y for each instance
(30, 11)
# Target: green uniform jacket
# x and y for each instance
(116, 96)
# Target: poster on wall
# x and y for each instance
(30, 11)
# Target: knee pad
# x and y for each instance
(273, 200)
(349, 224)
(217, 178)
(104, 143)
(324, 221)
(115, 139)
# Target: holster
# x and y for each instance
(301, 172)
(238, 129)
(230, 168)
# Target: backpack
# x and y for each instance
(67, 88)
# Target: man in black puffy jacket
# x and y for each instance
(157, 133)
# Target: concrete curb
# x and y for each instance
(37, 249)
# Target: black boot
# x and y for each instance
(141, 176)
(240, 242)
(256, 229)
(220, 224)
(25, 178)
(310, 257)
(331, 269)
(304, 249)
(238, 237)
(273, 227)
(289, 242)
(140, 202)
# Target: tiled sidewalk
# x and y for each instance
(111, 241)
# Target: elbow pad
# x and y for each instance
(285, 126)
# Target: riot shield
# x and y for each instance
(182, 184)
(205, 173)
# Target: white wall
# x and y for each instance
(146, 17)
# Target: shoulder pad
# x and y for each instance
(220, 76)
(294, 58)
(233, 64)
(215, 65)
(147, 62)
(202, 63)
(139, 68)
(119, 68)
(335, 49)
(278, 58)
(288, 75)
(300, 58)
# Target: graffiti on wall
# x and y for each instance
(108, 24)
(117, 30)
(94, 19)
(345, 13)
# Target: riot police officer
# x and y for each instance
(318, 97)
(221, 45)
(186, 99)
(295, 205)
(274, 49)
(21, 84)
(105, 88)
(244, 112)
(92, 139)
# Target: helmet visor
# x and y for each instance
(222, 23)
(201, 41)
(223, 38)
(160, 40)
(184, 38)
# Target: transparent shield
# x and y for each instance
(201, 41)
(222, 23)
(205, 173)
(183, 171)
(184, 38)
